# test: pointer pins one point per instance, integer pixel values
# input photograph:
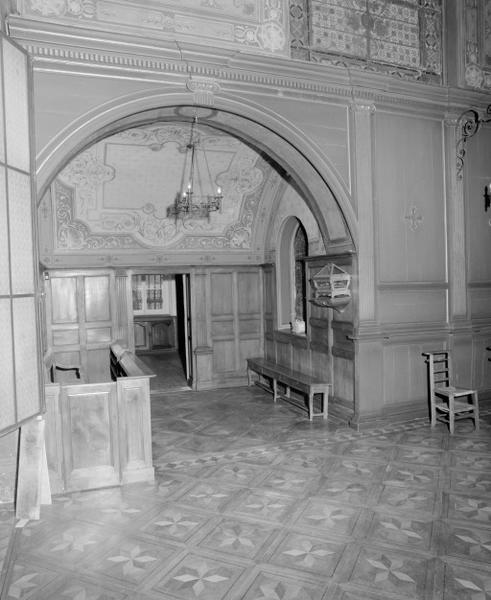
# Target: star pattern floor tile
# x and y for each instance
(253, 502)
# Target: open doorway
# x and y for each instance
(162, 328)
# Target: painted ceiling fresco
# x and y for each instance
(117, 194)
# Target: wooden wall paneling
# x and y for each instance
(68, 336)
(97, 326)
(321, 364)
(224, 322)
(269, 294)
(480, 300)
(63, 298)
(201, 328)
(250, 325)
(405, 377)
(343, 388)
(409, 199)
(99, 335)
(224, 357)
(300, 354)
(223, 327)
(409, 304)
(284, 351)
(135, 435)
(90, 435)
(481, 365)
(222, 294)
(123, 320)
(80, 308)
(269, 286)
(249, 292)
(97, 298)
(248, 348)
(201, 290)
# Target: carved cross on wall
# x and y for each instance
(413, 219)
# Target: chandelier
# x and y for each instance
(192, 202)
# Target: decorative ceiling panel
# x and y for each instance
(117, 193)
(252, 25)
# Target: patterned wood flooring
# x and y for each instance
(253, 502)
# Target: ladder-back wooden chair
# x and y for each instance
(447, 402)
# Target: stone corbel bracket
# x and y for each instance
(468, 125)
(203, 89)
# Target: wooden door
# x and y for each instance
(22, 395)
(183, 324)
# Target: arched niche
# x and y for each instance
(299, 161)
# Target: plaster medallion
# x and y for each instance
(413, 219)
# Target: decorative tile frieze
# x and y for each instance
(401, 38)
(476, 16)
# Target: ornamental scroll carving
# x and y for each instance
(468, 125)
(253, 25)
(115, 194)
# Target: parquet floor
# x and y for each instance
(253, 502)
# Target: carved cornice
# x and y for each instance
(82, 51)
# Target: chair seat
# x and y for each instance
(450, 390)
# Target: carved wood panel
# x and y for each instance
(80, 308)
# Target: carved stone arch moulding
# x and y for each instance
(271, 137)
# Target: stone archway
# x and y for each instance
(300, 161)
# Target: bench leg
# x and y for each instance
(275, 390)
(311, 406)
(249, 377)
(325, 400)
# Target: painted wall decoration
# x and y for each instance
(401, 37)
(252, 25)
(477, 43)
(116, 194)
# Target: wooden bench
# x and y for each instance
(295, 380)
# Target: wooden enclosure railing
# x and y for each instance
(99, 434)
